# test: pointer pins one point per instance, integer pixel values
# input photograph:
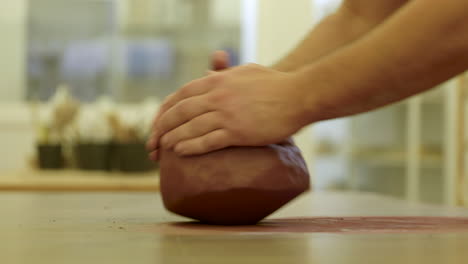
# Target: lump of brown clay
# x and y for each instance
(233, 186)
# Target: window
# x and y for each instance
(128, 49)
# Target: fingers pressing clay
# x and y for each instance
(154, 155)
(197, 127)
(219, 61)
(217, 139)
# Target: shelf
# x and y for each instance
(397, 159)
(434, 97)
(70, 180)
(382, 158)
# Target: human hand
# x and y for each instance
(249, 105)
(219, 61)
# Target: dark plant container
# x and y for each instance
(92, 156)
(50, 156)
(131, 157)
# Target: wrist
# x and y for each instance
(307, 96)
(331, 34)
(318, 85)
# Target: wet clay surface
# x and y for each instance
(351, 225)
(233, 186)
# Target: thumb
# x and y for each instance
(220, 60)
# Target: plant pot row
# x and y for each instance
(131, 157)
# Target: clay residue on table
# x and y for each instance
(350, 225)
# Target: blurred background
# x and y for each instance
(81, 80)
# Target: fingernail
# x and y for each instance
(165, 142)
(152, 156)
(179, 150)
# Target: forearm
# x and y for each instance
(351, 21)
(332, 33)
(422, 45)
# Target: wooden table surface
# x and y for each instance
(134, 228)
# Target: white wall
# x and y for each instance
(12, 50)
(15, 130)
(281, 25)
(226, 12)
(16, 136)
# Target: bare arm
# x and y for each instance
(352, 20)
(412, 49)
(423, 44)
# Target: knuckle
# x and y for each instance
(171, 95)
(237, 135)
(185, 90)
(163, 106)
(183, 109)
(169, 98)
(208, 143)
(217, 79)
(214, 98)
(166, 139)
(166, 104)
(221, 97)
(253, 66)
(218, 119)
(188, 130)
(226, 118)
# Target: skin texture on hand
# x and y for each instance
(219, 61)
(353, 19)
(420, 46)
(248, 105)
(411, 47)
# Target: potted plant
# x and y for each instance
(49, 150)
(92, 139)
(131, 129)
(51, 121)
